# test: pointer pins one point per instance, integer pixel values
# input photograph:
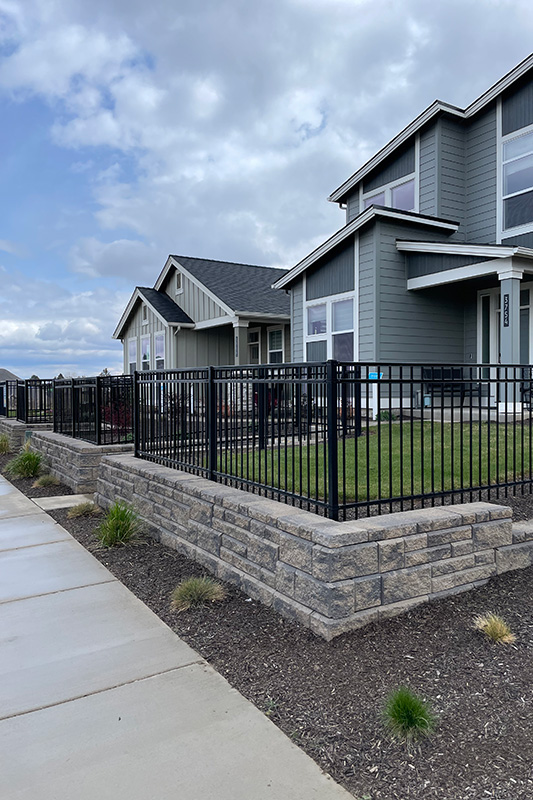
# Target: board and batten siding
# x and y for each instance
(428, 171)
(425, 325)
(204, 348)
(480, 178)
(451, 181)
(470, 326)
(395, 168)
(517, 108)
(195, 302)
(297, 321)
(420, 264)
(137, 329)
(332, 276)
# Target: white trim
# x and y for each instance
(269, 330)
(365, 216)
(240, 323)
(327, 337)
(356, 297)
(143, 338)
(128, 362)
(215, 322)
(453, 249)
(129, 308)
(417, 173)
(454, 275)
(387, 188)
(510, 273)
(254, 344)
(163, 335)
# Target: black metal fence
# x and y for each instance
(35, 401)
(98, 410)
(344, 440)
(8, 399)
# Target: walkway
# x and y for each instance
(99, 700)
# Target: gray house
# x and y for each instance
(435, 261)
(202, 312)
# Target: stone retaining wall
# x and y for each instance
(16, 431)
(330, 576)
(74, 462)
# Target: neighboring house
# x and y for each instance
(435, 261)
(6, 375)
(202, 312)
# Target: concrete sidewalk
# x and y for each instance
(99, 700)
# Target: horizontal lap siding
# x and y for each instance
(480, 172)
(352, 206)
(451, 184)
(367, 286)
(297, 310)
(428, 182)
(413, 326)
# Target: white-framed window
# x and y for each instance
(398, 194)
(178, 284)
(145, 353)
(132, 355)
(275, 345)
(517, 181)
(330, 328)
(159, 346)
(254, 345)
(145, 314)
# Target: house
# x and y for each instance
(435, 261)
(202, 312)
(6, 375)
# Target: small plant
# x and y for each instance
(386, 416)
(27, 464)
(407, 716)
(495, 628)
(46, 480)
(120, 525)
(5, 444)
(196, 592)
(87, 509)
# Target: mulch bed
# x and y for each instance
(328, 697)
(26, 484)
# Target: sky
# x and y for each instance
(130, 130)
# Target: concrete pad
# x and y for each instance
(185, 734)
(30, 530)
(12, 502)
(47, 568)
(62, 501)
(61, 646)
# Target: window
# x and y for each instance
(179, 288)
(145, 353)
(330, 329)
(132, 355)
(517, 180)
(400, 195)
(253, 347)
(275, 346)
(160, 351)
(145, 313)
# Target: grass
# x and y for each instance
(120, 525)
(407, 716)
(46, 480)
(398, 459)
(195, 592)
(495, 628)
(87, 509)
(27, 464)
(5, 444)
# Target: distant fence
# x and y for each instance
(35, 401)
(8, 399)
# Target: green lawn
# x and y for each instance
(412, 458)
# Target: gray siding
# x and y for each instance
(524, 240)
(517, 109)
(367, 290)
(428, 172)
(480, 169)
(352, 205)
(451, 181)
(419, 264)
(413, 326)
(333, 276)
(402, 165)
(193, 300)
(470, 326)
(203, 348)
(297, 321)
(137, 329)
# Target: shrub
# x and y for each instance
(83, 510)
(386, 416)
(120, 525)
(407, 716)
(495, 628)
(5, 444)
(27, 464)
(196, 592)
(46, 480)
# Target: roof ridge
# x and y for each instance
(221, 261)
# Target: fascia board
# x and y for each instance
(482, 251)
(137, 294)
(198, 283)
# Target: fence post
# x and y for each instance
(98, 410)
(211, 424)
(332, 448)
(136, 415)
(262, 411)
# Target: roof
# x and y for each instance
(365, 217)
(244, 288)
(438, 107)
(6, 375)
(162, 304)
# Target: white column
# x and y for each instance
(510, 333)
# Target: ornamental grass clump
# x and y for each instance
(196, 592)
(87, 509)
(495, 628)
(45, 481)
(5, 445)
(120, 525)
(27, 464)
(407, 716)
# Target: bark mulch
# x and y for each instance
(328, 697)
(25, 485)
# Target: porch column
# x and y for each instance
(240, 341)
(510, 329)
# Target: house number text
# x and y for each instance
(506, 311)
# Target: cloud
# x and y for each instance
(124, 258)
(12, 248)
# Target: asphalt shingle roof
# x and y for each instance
(6, 375)
(243, 287)
(162, 303)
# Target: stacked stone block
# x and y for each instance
(17, 431)
(330, 576)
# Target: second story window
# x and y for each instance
(517, 181)
(400, 195)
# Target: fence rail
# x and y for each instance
(35, 401)
(98, 410)
(344, 440)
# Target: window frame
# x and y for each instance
(160, 335)
(146, 338)
(526, 227)
(144, 314)
(329, 301)
(387, 188)
(254, 344)
(178, 283)
(129, 362)
(270, 330)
